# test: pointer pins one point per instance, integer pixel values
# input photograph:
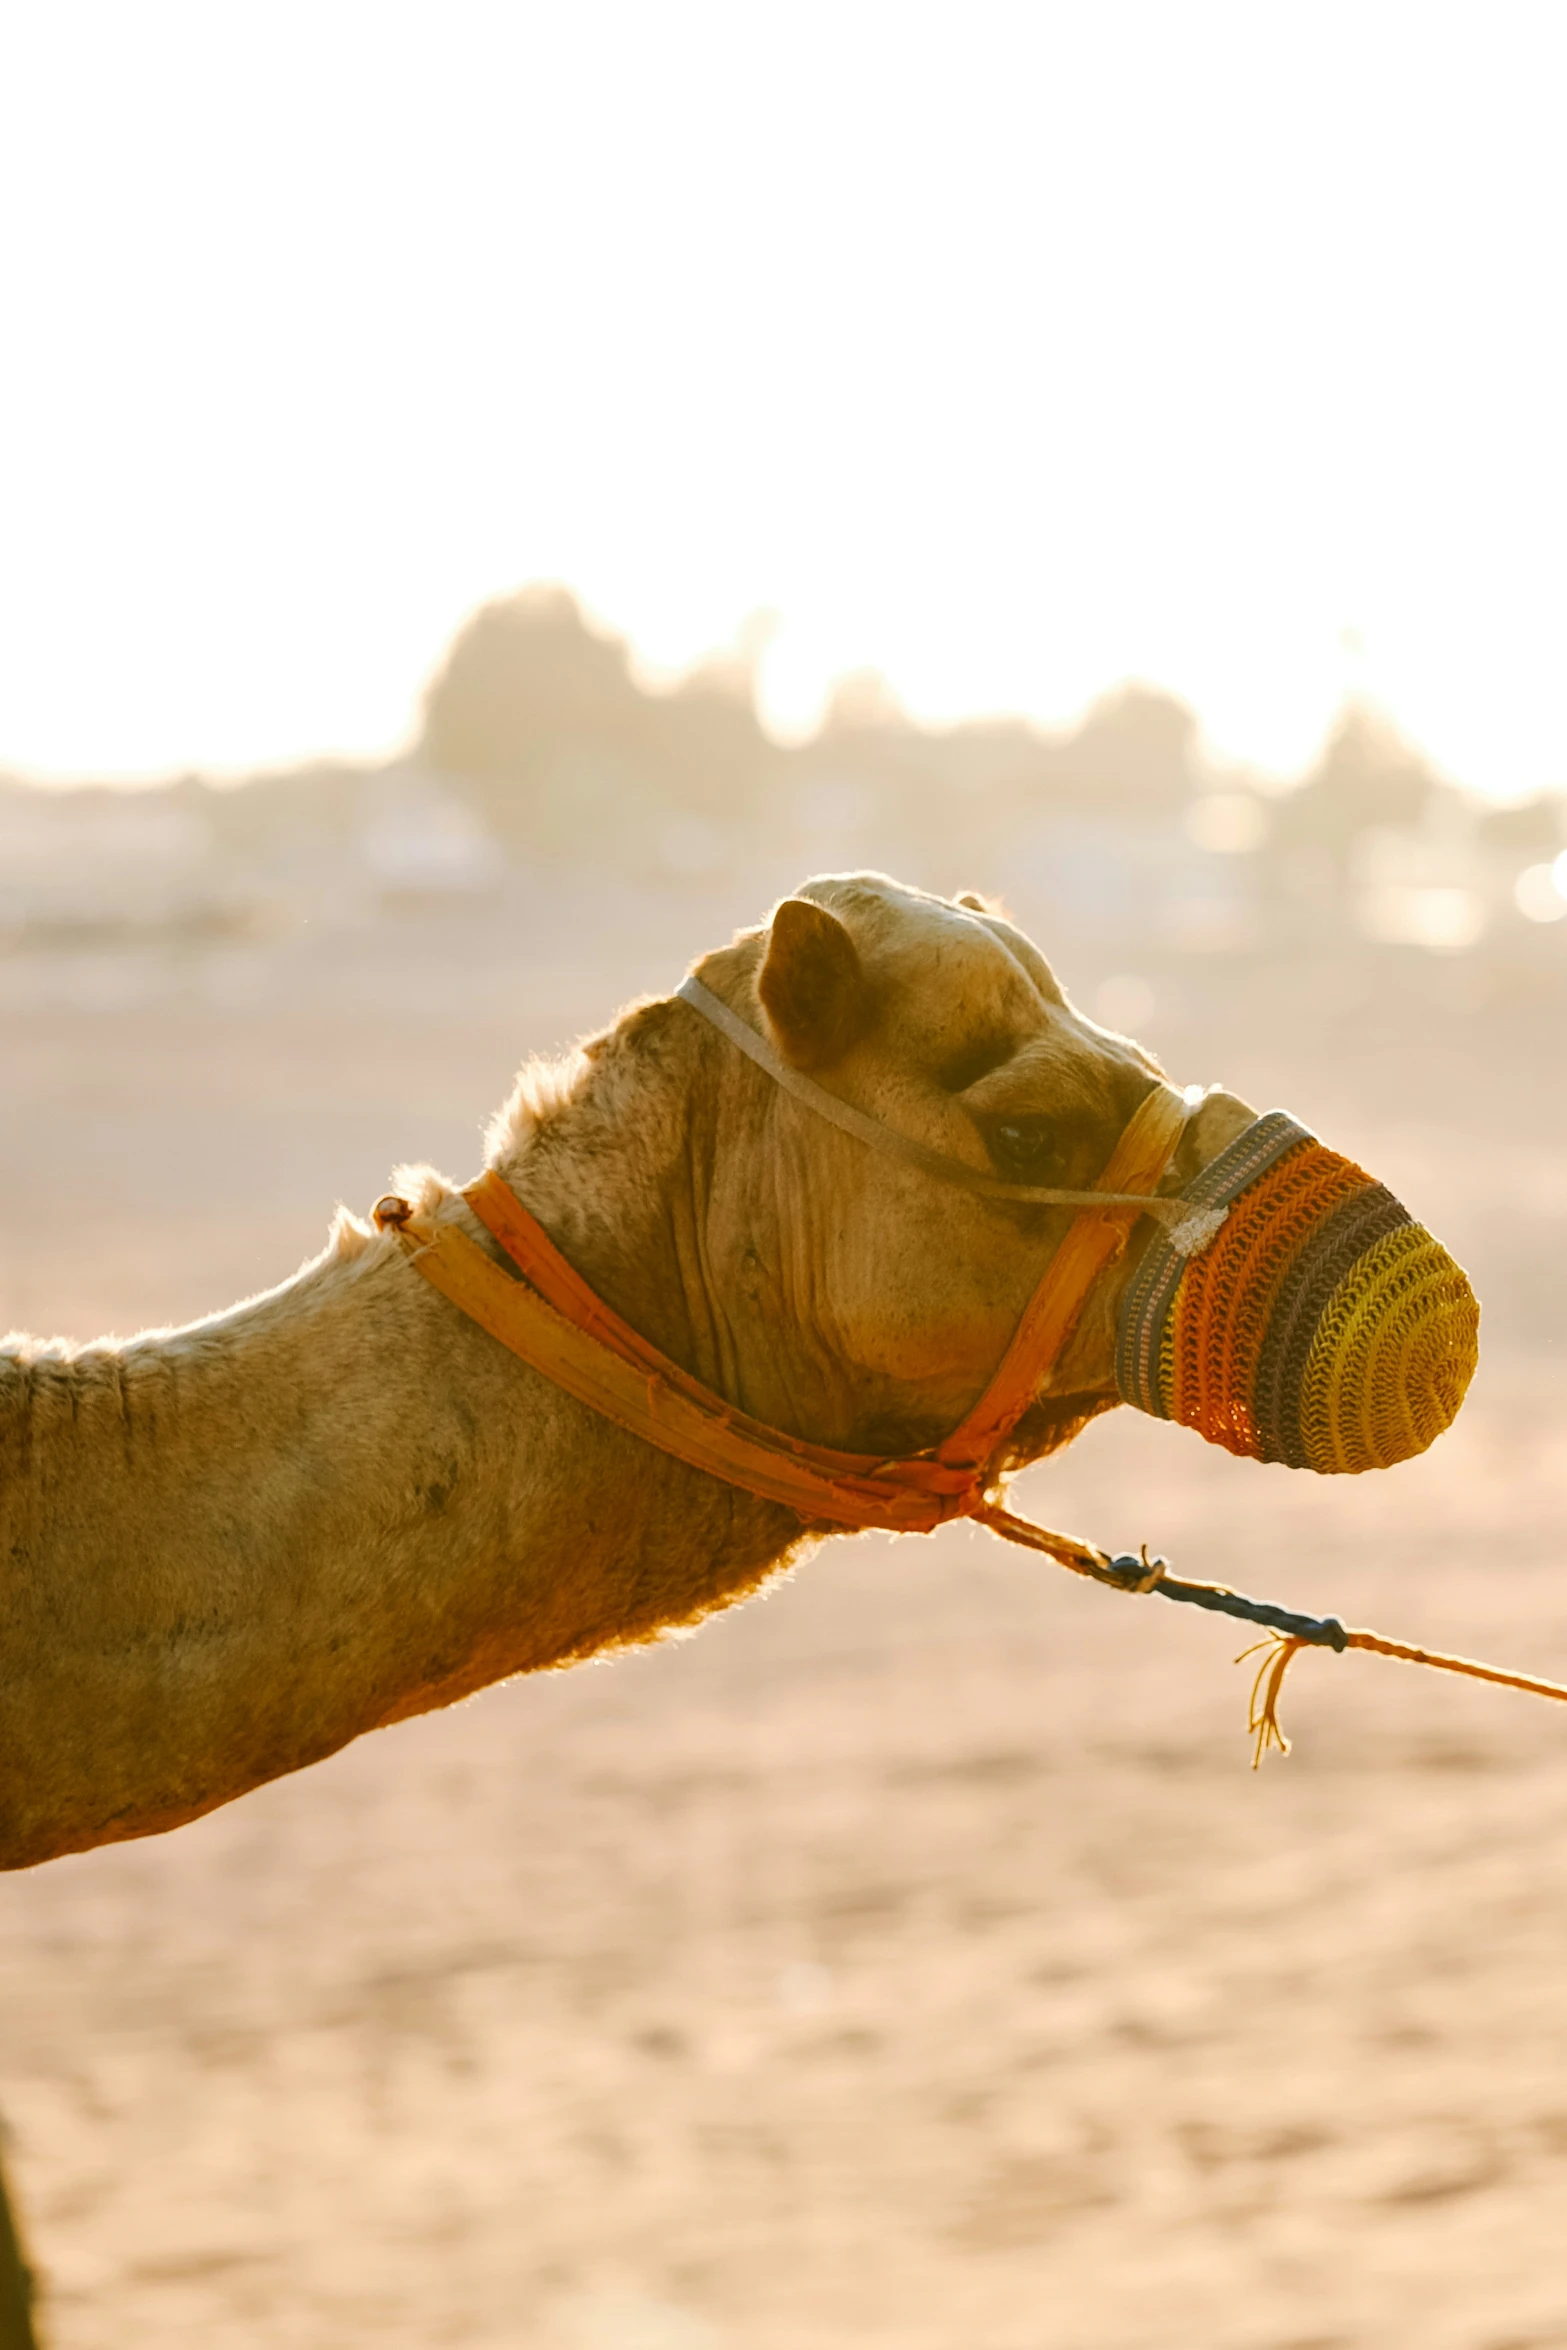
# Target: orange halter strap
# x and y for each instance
(556, 1323)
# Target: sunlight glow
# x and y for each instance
(1011, 350)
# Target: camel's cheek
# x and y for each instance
(931, 1298)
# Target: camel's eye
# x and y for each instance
(1025, 1146)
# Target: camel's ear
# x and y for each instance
(812, 986)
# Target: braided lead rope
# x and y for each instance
(1286, 1632)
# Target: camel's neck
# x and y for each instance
(234, 1547)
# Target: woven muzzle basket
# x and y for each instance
(1322, 1326)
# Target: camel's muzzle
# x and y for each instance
(1321, 1326)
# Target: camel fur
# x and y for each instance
(231, 1548)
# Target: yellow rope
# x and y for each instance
(1286, 1632)
(1280, 1652)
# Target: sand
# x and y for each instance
(911, 1959)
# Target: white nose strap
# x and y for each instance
(1190, 1229)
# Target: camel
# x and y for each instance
(236, 1546)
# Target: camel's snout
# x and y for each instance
(1321, 1326)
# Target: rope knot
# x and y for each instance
(1136, 1571)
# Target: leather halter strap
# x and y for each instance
(556, 1323)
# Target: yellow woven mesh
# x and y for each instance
(1226, 1299)
(1392, 1356)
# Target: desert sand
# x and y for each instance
(911, 1960)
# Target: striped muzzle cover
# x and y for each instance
(1321, 1326)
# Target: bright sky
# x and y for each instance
(1010, 349)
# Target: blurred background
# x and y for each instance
(491, 499)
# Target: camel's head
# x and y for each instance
(1320, 1326)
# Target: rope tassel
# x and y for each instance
(1262, 1715)
(1285, 1631)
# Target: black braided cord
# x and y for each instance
(1317, 1631)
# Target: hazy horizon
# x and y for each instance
(739, 664)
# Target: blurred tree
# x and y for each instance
(1367, 774)
(1534, 830)
(523, 674)
(1136, 753)
(540, 714)
(862, 704)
